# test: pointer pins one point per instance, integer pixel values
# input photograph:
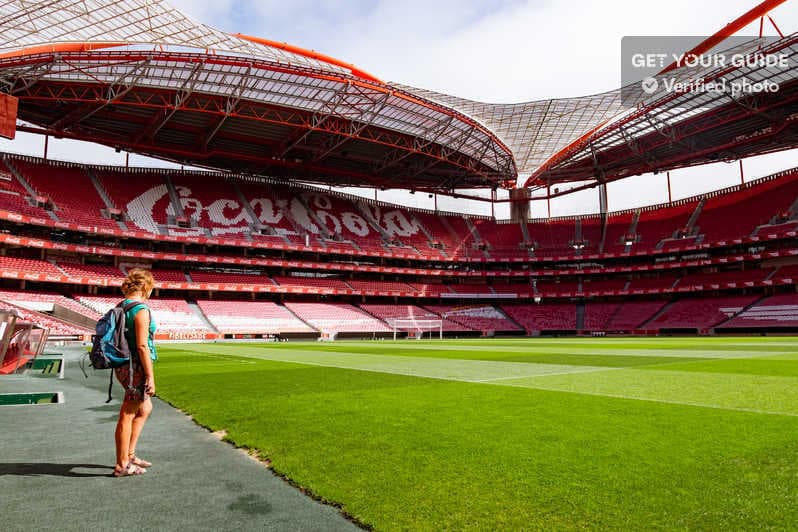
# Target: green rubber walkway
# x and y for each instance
(56, 462)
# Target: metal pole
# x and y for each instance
(46, 144)
(742, 174)
(670, 198)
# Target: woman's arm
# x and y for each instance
(142, 326)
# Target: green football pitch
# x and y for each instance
(665, 433)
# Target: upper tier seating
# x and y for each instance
(214, 205)
(272, 206)
(775, 311)
(14, 197)
(544, 316)
(340, 218)
(656, 225)
(452, 244)
(504, 239)
(591, 234)
(254, 317)
(702, 313)
(71, 191)
(553, 237)
(463, 237)
(218, 209)
(736, 215)
(618, 226)
(141, 194)
(337, 318)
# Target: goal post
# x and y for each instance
(416, 326)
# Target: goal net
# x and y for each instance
(416, 328)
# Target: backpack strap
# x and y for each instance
(110, 384)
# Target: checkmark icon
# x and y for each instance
(650, 85)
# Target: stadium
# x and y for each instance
(403, 367)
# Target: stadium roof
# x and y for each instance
(141, 76)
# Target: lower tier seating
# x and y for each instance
(544, 316)
(702, 313)
(252, 317)
(775, 311)
(476, 318)
(170, 315)
(337, 318)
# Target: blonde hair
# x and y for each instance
(138, 280)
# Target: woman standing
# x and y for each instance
(136, 406)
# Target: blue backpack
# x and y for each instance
(110, 347)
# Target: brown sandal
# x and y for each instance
(133, 459)
(129, 470)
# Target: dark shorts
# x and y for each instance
(136, 391)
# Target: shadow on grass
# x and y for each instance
(28, 469)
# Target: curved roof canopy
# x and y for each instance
(141, 76)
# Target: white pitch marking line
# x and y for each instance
(536, 375)
(663, 401)
(543, 388)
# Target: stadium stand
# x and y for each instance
(226, 277)
(484, 318)
(59, 185)
(237, 210)
(28, 265)
(337, 318)
(773, 312)
(380, 286)
(254, 317)
(76, 269)
(44, 301)
(700, 313)
(552, 237)
(170, 315)
(57, 327)
(411, 312)
(311, 282)
(543, 317)
(630, 315)
(737, 214)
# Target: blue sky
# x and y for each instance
(496, 51)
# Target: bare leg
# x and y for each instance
(143, 412)
(124, 429)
